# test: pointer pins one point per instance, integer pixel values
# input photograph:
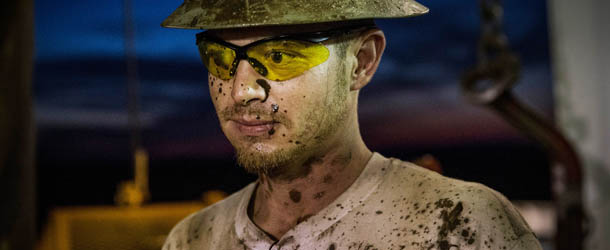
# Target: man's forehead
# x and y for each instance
(260, 32)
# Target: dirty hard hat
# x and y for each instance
(221, 14)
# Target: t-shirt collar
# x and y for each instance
(309, 230)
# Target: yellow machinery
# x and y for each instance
(113, 227)
(127, 226)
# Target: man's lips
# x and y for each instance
(253, 127)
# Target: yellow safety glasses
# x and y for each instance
(276, 58)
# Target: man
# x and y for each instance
(284, 79)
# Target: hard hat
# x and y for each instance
(221, 14)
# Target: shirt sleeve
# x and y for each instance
(499, 224)
(176, 239)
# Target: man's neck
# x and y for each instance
(283, 201)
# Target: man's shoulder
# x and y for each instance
(203, 225)
(427, 186)
(407, 175)
(410, 176)
(469, 211)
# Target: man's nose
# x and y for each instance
(248, 85)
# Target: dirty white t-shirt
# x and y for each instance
(392, 205)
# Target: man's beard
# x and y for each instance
(257, 162)
(320, 125)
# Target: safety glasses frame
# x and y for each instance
(241, 51)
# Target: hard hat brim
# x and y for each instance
(224, 14)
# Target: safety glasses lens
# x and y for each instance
(286, 59)
(277, 60)
(218, 59)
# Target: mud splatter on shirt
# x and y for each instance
(392, 205)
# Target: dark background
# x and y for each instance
(412, 107)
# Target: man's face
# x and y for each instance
(276, 123)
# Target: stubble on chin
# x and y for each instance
(255, 161)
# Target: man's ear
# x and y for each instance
(368, 53)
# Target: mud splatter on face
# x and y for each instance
(309, 123)
(327, 179)
(295, 196)
(275, 107)
(319, 195)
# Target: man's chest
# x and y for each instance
(386, 227)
